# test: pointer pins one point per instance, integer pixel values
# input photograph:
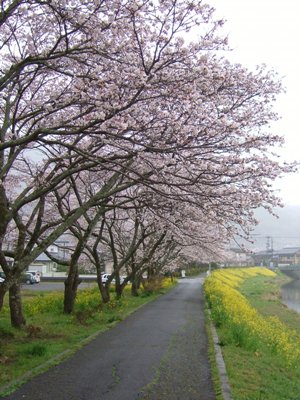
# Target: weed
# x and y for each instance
(6, 333)
(82, 316)
(239, 336)
(145, 294)
(114, 318)
(153, 284)
(115, 375)
(35, 350)
(33, 331)
(4, 359)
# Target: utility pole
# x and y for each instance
(270, 250)
(269, 244)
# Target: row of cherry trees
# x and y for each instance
(120, 124)
(140, 230)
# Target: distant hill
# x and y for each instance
(283, 231)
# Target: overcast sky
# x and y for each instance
(268, 31)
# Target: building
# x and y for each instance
(237, 257)
(287, 256)
(44, 264)
(278, 258)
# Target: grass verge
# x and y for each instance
(256, 370)
(50, 336)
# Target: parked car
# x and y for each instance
(104, 277)
(36, 275)
(28, 278)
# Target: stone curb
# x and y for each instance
(226, 391)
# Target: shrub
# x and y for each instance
(153, 284)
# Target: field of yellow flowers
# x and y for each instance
(248, 329)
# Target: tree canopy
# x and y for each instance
(114, 111)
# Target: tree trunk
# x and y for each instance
(135, 284)
(150, 273)
(104, 291)
(3, 291)
(134, 288)
(15, 303)
(71, 285)
(119, 287)
(118, 292)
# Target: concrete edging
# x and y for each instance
(226, 391)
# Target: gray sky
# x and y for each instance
(268, 31)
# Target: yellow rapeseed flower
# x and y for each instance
(230, 307)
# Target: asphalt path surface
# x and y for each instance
(157, 353)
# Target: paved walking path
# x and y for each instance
(157, 353)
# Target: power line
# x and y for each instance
(275, 237)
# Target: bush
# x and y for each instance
(153, 284)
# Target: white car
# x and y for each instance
(104, 277)
(1, 279)
(36, 276)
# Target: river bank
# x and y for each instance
(266, 296)
(256, 366)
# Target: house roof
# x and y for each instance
(288, 251)
(239, 250)
(42, 257)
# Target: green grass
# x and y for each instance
(51, 336)
(259, 375)
(264, 295)
(255, 372)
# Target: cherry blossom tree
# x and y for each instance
(146, 233)
(120, 88)
(81, 187)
